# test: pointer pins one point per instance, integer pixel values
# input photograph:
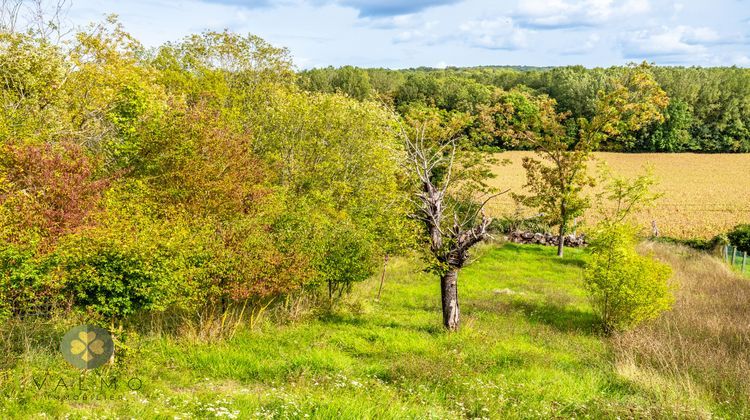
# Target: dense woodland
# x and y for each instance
(708, 112)
(185, 178)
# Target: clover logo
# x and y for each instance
(87, 347)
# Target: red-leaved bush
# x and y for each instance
(50, 187)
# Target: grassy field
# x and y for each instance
(528, 348)
(702, 346)
(703, 194)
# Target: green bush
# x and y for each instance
(740, 237)
(697, 244)
(512, 222)
(625, 288)
(114, 282)
(348, 259)
(26, 283)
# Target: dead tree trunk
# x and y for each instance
(447, 243)
(449, 294)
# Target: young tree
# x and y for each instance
(556, 188)
(625, 287)
(447, 205)
(621, 197)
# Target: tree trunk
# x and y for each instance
(563, 228)
(449, 293)
(561, 241)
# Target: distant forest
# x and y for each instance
(708, 111)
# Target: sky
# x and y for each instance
(440, 33)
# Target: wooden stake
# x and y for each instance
(654, 229)
(382, 276)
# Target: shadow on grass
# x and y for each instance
(371, 323)
(343, 319)
(547, 252)
(559, 317)
(571, 262)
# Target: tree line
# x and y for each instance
(708, 111)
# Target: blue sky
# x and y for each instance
(437, 33)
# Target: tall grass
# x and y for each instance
(701, 348)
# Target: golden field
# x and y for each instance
(703, 194)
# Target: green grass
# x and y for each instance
(738, 266)
(528, 348)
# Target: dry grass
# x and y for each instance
(701, 348)
(703, 194)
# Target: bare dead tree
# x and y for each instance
(44, 18)
(10, 11)
(448, 241)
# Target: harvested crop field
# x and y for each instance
(703, 194)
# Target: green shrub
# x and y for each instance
(740, 237)
(197, 188)
(697, 244)
(510, 223)
(348, 259)
(26, 283)
(625, 288)
(114, 282)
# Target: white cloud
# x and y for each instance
(592, 41)
(393, 22)
(550, 14)
(421, 33)
(669, 41)
(495, 34)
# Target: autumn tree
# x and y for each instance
(556, 179)
(193, 177)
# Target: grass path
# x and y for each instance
(527, 349)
